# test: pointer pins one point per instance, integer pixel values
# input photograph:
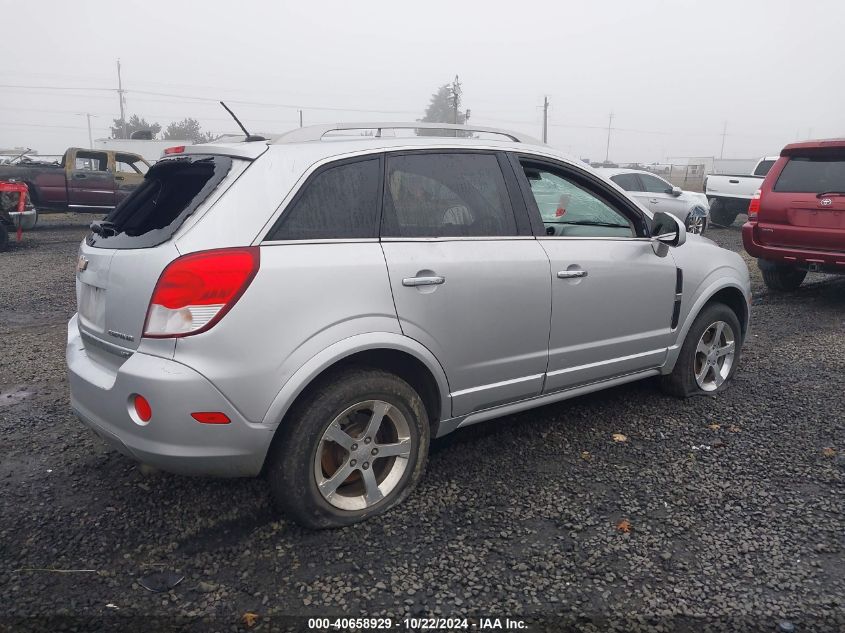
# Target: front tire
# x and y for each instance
(354, 446)
(709, 355)
(779, 277)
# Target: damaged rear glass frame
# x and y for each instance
(117, 237)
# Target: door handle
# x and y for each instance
(423, 281)
(654, 200)
(571, 274)
(118, 177)
(80, 176)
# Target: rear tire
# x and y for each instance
(339, 426)
(779, 277)
(690, 375)
(722, 213)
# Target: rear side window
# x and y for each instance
(172, 190)
(446, 195)
(340, 202)
(813, 174)
(653, 184)
(629, 182)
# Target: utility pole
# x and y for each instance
(724, 134)
(90, 138)
(455, 96)
(609, 128)
(120, 96)
(545, 119)
(300, 118)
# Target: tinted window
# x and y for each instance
(446, 195)
(171, 191)
(629, 182)
(340, 202)
(763, 167)
(569, 210)
(813, 174)
(653, 184)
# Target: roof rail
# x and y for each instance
(317, 132)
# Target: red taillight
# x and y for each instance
(142, 408)
(754, 206)
(211, 417)
(195, 291)
(178, 149)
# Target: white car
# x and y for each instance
(657, 194)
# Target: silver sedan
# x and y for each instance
(657, 194)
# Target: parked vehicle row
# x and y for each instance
(796, 219)
(375, 293)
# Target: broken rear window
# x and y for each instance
(172, 190)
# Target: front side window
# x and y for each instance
(570, 210)
(813, 174)
(653, 184)
(629, 182)
(339, 202)
(446, 195)
(128, 164)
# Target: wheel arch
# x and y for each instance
(726, 292)
(398, 354)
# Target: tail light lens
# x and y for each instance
(178, 149)
(754, 206)
(195, 291)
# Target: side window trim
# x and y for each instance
(522, 228)
(592, 184)
(309, 180)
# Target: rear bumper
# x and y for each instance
(26, 213)
(172, 440)
(825, 261)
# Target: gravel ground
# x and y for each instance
(735, 503)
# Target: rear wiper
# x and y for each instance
(104, 228)
(830, 193)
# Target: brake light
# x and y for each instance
(754, 206)
(177, 149)
(195, 291)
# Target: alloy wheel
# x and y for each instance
(696, 225)
(714, 356)
(362, 455)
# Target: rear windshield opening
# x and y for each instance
(170, 193)
(813, 174)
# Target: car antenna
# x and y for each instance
(249, 137)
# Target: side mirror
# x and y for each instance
(676, 191)
(667, 229)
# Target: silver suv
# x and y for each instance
(317, 307)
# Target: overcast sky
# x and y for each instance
(672, 73)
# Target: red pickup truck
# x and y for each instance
(84, 179)
(796, 221)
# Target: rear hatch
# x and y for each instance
(803, 206)
(121, 259)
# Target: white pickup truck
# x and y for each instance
(729, 195)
